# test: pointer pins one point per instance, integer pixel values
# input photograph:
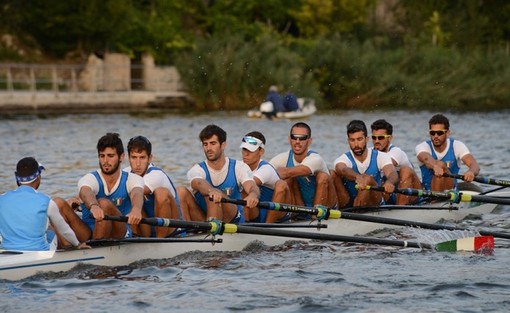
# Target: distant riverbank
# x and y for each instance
(22, 102)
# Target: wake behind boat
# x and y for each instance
(16, 265)
(306, 108)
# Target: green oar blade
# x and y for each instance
(475, 244)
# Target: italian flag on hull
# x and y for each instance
(476, 244)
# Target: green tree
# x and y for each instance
(319, 18)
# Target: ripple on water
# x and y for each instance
(295, 277)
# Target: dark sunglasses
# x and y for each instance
(437, 132)
(300, 137)
(380, 137)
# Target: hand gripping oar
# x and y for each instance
(216, 227)
(336, 214)
(452, 196)
(166, 222)
(483, 180)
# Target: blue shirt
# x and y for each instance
(148, 204)
(120, 198)
(449, 159)
(277, 101)
(307, 184)
(24, 219)
(266, 194)
(229, 186)
(372, 170)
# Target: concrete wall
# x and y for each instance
(159, 78)
(113, 73)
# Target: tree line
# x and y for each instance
(427, 54)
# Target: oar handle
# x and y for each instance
(320, 211)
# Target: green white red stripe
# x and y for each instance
(476, 244)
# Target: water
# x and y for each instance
(296, 277)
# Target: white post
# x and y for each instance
(32, 81)
(54, 81)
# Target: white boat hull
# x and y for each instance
(25, 264)
(306, 108)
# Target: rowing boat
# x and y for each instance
(15, 265)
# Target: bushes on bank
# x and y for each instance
(231, 73)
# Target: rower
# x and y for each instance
(160, 196)
(442, 154)
(108, 191)
(25, 212)
(272, 188)
(304, 170)
(218, 177)
(382, 136)
(362, 166)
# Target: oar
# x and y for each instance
(96, 242)
(467, 244)
(367, 218)
(321, 212)
(286, 225)
(452, 196)
(483, 180)
(166, 222)
(400, 207)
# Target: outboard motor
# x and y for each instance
(267, 108)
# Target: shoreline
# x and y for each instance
(26, 102)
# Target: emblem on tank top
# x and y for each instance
(118, 201)
(227, 191)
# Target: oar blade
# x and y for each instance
(475, 244)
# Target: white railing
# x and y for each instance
(58, 78)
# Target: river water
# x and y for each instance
(296, 277)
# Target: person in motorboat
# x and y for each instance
(276, 99)
(290, 102)
(382, 137)
(218, 177)
(160, 195)
(25, 214)
(362, 166)
(272, 188)
(305, 171)
(442, 154)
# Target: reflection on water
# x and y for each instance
(296, 277)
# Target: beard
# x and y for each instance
(113, 169)
(360, 151)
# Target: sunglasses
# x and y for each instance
(380, 137)
(437, 132)
(299, 137)
(252, 140)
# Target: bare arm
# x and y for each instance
(438, 167)
(253, 192)
(473, 167)
(296, 171)
(346, 172)
(136, 196)
(206, 189)
(391, 178)
(89, 200)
